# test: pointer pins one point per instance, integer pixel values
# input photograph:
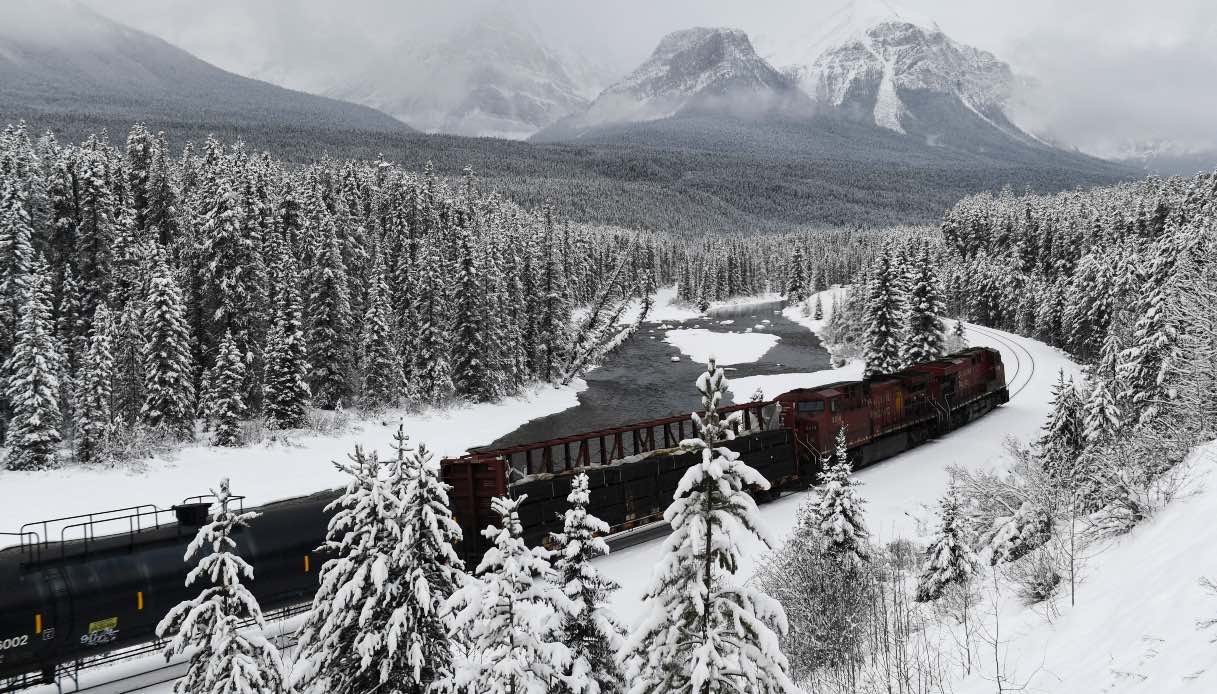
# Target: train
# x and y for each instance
(90, 591)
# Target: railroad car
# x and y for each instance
(70, 593)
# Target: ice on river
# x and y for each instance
(700, 344)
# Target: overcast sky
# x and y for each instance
(1107, 71)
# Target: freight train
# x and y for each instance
(71, 592)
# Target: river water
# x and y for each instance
(640, 381)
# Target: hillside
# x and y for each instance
(68, 67)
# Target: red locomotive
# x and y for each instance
(634, 469)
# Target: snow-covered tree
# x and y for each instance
(884, 311)
(817, 311)
(227, 656)
(286, 391)
(509, 616)
(329, 324)
(94, 418)
(383, 378)
(1063, 440)
(839, 511)
(923, 338)
(949, 559)
(589, 630)
(377, 618)
(226, 407)
(1101, 415)
(32, 387)
(167, 361)
(703, 631)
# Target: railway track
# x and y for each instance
(1024, 362)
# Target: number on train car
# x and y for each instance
(14, 642)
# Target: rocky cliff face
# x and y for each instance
(913, 80)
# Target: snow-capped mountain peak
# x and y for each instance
(702, 69)
(910, 78)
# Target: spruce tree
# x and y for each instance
(94, 419)
(589, 630)
(509, 615)
(226, 407)
(286, 396)
(1064, 433)
(329, 325)
(167, 360)
(470, 346)
(839, 513)
(1101, 415)
(383, 378)
(32, 387)
(884, 309)
(923, 338)
(432, 368)
(949, 559)
(16, 261)
(377, 618)
(228, 656)
(702, 630)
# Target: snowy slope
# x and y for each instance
(1134, 628)
(900, 490)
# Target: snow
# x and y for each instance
(900, 492)
(700, 344)
(1134, 628)
(266, 472)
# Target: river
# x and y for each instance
(640, 381)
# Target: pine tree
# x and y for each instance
(383, 378)
(377, 617)
(225, 405)
(328, 336)
(839, 513)
(923, 339)
(1101, 416)
(510, 615)
(469, 332)
(957, 331)
(884, 309)
(16, 261)
(167, 360)
(94, 420)
(817, 313)
(1064, 434)
(32, 387)
(949, 559)
(432, 369)
(286, 385)
(227, 657)
(795, 291)
(591, 633)
(703, 631)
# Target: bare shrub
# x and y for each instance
(1035, 576)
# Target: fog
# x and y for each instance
(1102, 72)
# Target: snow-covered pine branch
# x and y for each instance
(226, 659)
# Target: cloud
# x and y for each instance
(1105, 71)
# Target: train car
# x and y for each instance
(70, 592)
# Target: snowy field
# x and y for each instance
(700, 344)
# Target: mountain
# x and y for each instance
(494, 76)
(917, 81)
(1167, 158)
(694, 71)
(63, 65)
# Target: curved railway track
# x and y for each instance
(1024, 364)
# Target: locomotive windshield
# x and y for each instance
(812, 406)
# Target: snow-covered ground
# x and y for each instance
(264, 472)
(1134, 628)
